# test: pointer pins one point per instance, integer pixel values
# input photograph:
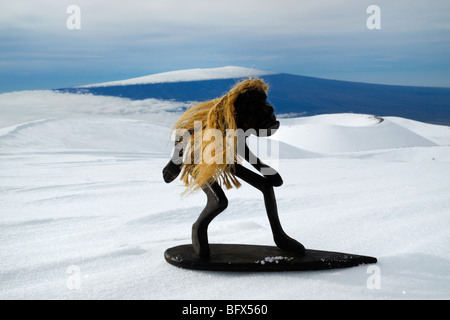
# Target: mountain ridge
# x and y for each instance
(298, 95)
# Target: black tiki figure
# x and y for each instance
(244, 110)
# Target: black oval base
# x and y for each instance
(240, 257)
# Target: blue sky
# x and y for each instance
(125, 39)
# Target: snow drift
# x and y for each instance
(350, 133)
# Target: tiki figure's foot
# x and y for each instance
(285, 242)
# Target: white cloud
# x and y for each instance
(26, 106)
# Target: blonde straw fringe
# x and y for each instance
(217, 114)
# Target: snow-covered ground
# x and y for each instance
(85, 213)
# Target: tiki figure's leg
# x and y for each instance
(216, 203)
(282, 240)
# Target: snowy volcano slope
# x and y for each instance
(85, 213)
(229, 72)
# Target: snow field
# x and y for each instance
(86, 215)
(98, 213)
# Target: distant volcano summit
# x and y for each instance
(291, 95)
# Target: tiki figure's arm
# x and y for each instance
(173, 168)
(270, 173)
